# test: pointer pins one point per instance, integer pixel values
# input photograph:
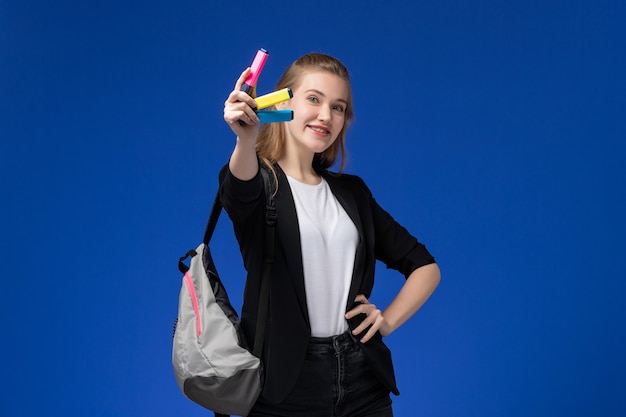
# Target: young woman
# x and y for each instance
(324, 354)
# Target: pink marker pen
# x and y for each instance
(255, 70)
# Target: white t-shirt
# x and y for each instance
(329, 240)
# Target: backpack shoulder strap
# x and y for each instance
(208, 232)
(268, 260)
(216, 210)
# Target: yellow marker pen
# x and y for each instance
(273, 98)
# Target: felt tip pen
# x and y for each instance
(255, 71)
(272, 116)
(273, 98)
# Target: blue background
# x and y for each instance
(492, 130)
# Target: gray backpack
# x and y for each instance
(212, 362)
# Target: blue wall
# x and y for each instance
(500, 127)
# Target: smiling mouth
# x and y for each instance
(320, 130)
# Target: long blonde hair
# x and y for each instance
(270, 145)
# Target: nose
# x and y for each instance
(324, 114)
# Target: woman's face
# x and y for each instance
(319, 105)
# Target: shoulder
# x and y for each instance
(349, 182)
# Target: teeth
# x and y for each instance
(317, 129)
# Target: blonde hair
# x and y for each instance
(270, 145)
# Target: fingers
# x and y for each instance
(373, 321)
(242, 78)
(235, 110)
(238, 101)
(239, 105)
(361, 299)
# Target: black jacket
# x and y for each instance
(287, 335)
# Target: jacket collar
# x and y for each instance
(345, 196)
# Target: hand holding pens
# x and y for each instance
(267, 100)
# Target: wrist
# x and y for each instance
(246, 142)
(386, 328)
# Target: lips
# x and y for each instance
(320, 130)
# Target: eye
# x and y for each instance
(313, 99)
(338, 108)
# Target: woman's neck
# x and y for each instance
(300, 170)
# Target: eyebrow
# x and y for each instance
(313, 90)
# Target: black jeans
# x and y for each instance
(335, 381)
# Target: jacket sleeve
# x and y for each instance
(240, 198)
(394, 245)
(244, 202)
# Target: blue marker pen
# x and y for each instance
(272, 116)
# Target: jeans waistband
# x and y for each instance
(336, 343)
